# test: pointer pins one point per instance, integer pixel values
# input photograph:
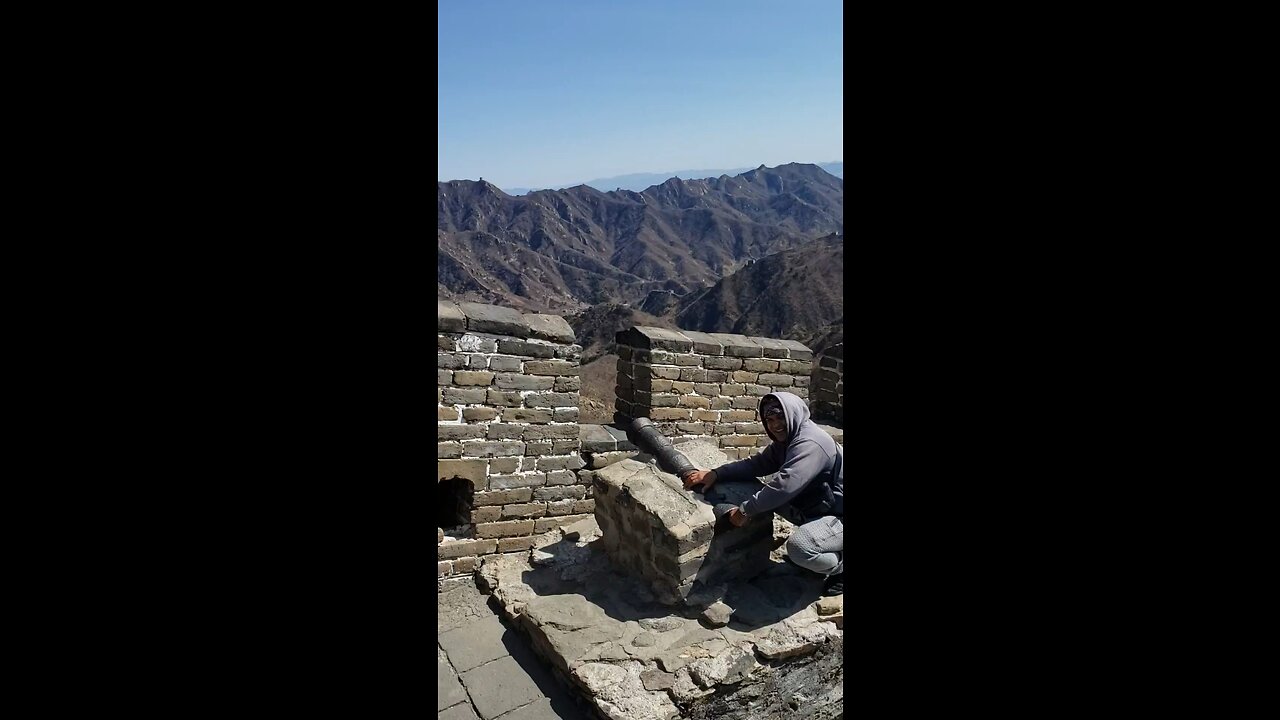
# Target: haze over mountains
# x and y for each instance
(641, 181)
(565, 250)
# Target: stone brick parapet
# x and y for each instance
(706, 385)
(507, 420)
(827, 402)
(656, 530)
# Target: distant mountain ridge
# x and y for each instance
(565, 250)
(638, 182)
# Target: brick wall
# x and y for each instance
(507, 418)
(706, 385)
(827, 402)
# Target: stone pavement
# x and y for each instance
(486, 670)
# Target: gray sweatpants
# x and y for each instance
(818, 546)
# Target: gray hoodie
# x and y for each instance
(809, 467)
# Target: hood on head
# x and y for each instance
(794, 412)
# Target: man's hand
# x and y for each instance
(705, 478)
(737, 517)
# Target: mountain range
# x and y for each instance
(643, 181)
(563, 251)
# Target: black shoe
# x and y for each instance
(834, 585)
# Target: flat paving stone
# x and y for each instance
(461, 711)
(475, 643)
(499, 686)
(460, 605)
(448, 690)
(540, 710)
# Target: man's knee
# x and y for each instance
(799, 549)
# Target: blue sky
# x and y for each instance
(543, 93)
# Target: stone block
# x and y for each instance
(446, 343)
(561, 477)
(486, 514)
(512, 381)
(526, 349)
(505, 431)
(650, 338)
(568, 462)
(525, 415)
(499, 398)
(450, 361)
(444, 377)
(670, 414)
(758, 390)
(595, 439)
(504, 465)
(567, 384)
(772, 348)
(744, 376)
(722, 363)
(507, 528)
(704, 343)
(720, 403)
(541, 433)
(794, 367)
(449, 450)
(449, 317)
(691, 374)
(654, 529)
(797, 350)
(463, 548)
(717, 376)
(537, 448)
(711, 416)
(694, 401)
(551, 400)
(447, 414)
(516, 544)
(503, 363)
(549, 327)
(549, 523)
(487, 448)
(683, 360)
(739, 345)
(550, 367)
(464, 396)
(501, 497)
(444, 568)
(760, 365)
(478, 414)
(465, 565)
(494, 319)
(743, 403)
(524, 510)
(459, 432)
(564, 492)
(477, 344)
(522, 480)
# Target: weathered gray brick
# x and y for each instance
(775, 379)
(568, 462)
(550, 367)
(459, 432)
(560, 447)
(449, 450)
(486, 514)
(537, 448)
(477, 344)
(444, 377)
(564, 492)
(565, 414)
(461, 548)
(568, 384)
(501, 497)
(473, 470)
(478, 414)
(512, 381)
(448, 413)
(526, 415)
(526, 349)
(507, 482)
(561, 477)
(472, 377)
(551, 400)
(464, 396)
(487, 448)
(709, 389)
(503, 363)
(524, 510)
(760, 365)
(504, 529)
(536, 433)
(505, 431)
(758, 390)
(722, 363)
(450, 361)
(503, 399)
(504, 465)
